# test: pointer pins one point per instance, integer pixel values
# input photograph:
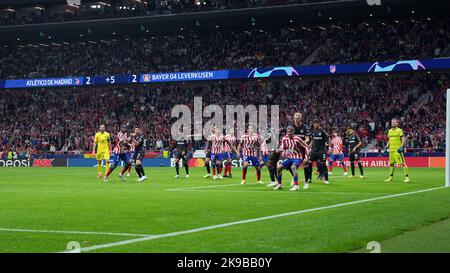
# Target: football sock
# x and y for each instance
(142, 169)
(331, 166)
(391, 170)
(258, 174)
(125, 168)
(352, 166)
(111, 170)
(325, 171)
(306, 172)
(272, 174)
(244, 173)
(99, 167)
(406, 171)
(186, 167)
(360, 168)
(177, 168)
(107, 166)
(279, 178)
(138, 170)
(208, 168)
(343, 165)
(296, 180)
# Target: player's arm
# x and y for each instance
(208, 145)
(303, 144)
(136, 142)
(311, 145)
(403, 140)
(109, 144)
(358, 145)
(94, 145)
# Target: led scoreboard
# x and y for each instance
(281, 71)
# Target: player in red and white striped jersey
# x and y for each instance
(337, 151)
(120, 153)
(250, 149)
(293, 150)
(215, 146)
(229, 146)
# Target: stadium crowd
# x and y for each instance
(418, 38)
(60, 120)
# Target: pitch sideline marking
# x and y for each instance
(301, 192)
(74, 232)
(204, 187)
(172, 234)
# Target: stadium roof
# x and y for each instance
(250, 17)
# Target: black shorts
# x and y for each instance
(317, 156)
(208, 155)
(138, 156)
(354, 157)
(179, 154)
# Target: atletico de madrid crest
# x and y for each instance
(332, 69)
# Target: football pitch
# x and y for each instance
(43, 209)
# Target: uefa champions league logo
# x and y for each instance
(276, 71)
(397, 66)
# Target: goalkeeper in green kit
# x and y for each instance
(395, 144)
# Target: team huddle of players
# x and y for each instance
(127, 149)
(300, 146)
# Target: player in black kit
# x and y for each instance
(354, 146)
(180, 151)
(302, 131)
(319, 148)
(139, 142)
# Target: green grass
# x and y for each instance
(432, 238)
(72, 199)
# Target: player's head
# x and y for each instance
(316, 124)
(335, 132)
(350, 131)
(290, 131)
(298, 118)
(137, 131)
(123, 128)
(102, 128)
(394, 122)
(230, 130)
(213, 129)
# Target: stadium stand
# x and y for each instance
(36, 120)
(418, 38)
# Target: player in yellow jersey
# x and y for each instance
(102, 141)
(395, 144)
